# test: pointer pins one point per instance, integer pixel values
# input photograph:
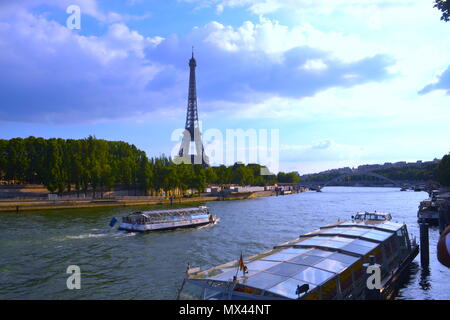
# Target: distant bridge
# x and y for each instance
(362, 173)
(366, 173)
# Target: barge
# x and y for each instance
(328, 263)
(167, 219)
(429, 209)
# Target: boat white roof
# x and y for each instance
(377, 213)
(173, 212)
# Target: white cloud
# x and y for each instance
(314, 64)
(261, 7)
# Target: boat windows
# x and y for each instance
(289, 288)
(331, 265)
(364, 243)
(286, 269)
(356, 231)
(306, 259)
(333, 244)
(226, 276)
(377, 235)
(313, 241)
(261, 265)
(344, 258)
(280, 256)
(354, 248)
(389, 226)
(313, 275)
(319, 253)
(264, 280)
(247, 290)
(295, 250)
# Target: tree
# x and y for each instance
(17, 163)
(199, 180)
(211, 176)
(3, 158)
(145, 174)
(54, 177)
(444, 6)
(443, 171)
(224, 175)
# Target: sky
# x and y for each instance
(343, 82)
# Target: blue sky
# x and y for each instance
(345, 82)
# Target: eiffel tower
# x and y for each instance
(191, 149)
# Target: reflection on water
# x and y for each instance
(36, 248)
(424, 282)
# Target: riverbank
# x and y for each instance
(32, 205)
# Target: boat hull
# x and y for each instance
(391, 287)
(164, 226)
(431, 217)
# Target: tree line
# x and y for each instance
(90, 164)
(427, 172)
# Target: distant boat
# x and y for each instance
(403, 189)
(167, 219)
(428, 211)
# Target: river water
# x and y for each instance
(37, 247)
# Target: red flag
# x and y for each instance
(241, 263)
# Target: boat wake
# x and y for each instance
(101, 234)
(209, 225)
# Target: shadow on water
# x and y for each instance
(424, 282)
(408, 277)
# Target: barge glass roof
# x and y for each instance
(289, 287)
(384, 225)
(285, 269)
(314, 258)
(352, 245)
(363, 233)
(264, 280)
(314, 275)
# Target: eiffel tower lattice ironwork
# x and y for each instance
(191, 149)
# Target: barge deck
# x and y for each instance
(328, 263)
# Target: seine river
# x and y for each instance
(37, 247)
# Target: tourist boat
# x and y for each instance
(167, 219)
(428, 211)
(328, 263)
(372, 216)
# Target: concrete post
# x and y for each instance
(424, 245)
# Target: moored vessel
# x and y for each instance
(167, 219)
(328, 263)
(429, 209)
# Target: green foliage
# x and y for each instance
(422, 173)
(98, 165)
(414, 172)
(291, 177)
(444, 6)
(443, 171)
